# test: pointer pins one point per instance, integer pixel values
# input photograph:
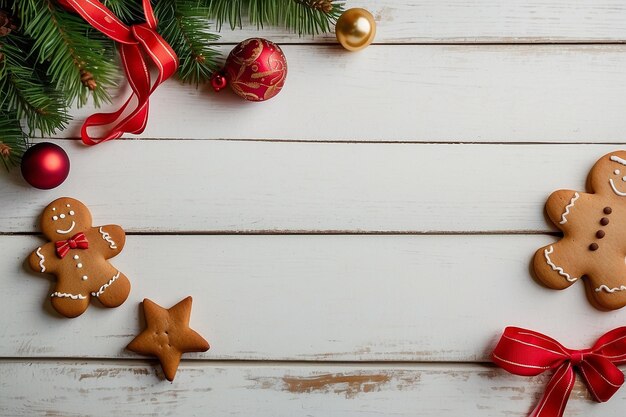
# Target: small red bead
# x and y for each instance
(218, 81)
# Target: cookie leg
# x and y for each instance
(607, 298)
(70, 307)
(115, 291)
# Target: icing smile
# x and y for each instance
(615, 190)
(64, 232)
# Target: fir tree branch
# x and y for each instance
(70, 48)
(304, 17)
(127, 11)
(25, 91)
(12, 141)
(184, 25)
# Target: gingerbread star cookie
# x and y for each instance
(167, 335)
(593, 247)
(77, 254)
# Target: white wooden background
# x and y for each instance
(356, 245)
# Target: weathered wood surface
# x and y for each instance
(252, 187)
(414, 93)
(335, 298)
(488, 21)
(535, 90)
(74, 388)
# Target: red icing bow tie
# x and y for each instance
(133, 41)
(78, 241)
(527, 353)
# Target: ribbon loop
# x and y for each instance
(135, 41)
(528, 353)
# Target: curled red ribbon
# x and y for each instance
(528, 353)
(133, 40)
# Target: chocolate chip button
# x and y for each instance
(604, 221)
(608, 210)
(593, 246)
(600, 234)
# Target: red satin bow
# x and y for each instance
(527, 353)
(133, 39)
(78, 241)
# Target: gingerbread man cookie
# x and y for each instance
(77, 255)
(593, 246)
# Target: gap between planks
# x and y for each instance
(288, 232)
(340, 141)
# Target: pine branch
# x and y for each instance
(79, 59)
(25, 91)
(303, 17)
(12, 141)
(184, 25)
(126, 10)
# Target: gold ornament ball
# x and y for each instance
(355, 29)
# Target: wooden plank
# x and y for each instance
(365, 298)
(258, 187)
(274, 390)
(437, 93)
(436, 21)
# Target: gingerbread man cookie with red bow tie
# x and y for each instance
(593, 247)
(77, 254)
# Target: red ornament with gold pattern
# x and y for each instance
(256, 70)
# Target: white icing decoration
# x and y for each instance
(569, 206)
(67, 205)
(62, 216)
(76, 257)
(610, 290)
(72, 212)
(63, 232)
(107, 237)
(616, 172)
(105, 286)
(618, 160)
(615, 190)
(42, 258)
(54, 209)
(560, 270)
(85, 277)
(55, 218)
(66, 295)
(79, 265)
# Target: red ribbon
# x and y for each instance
(78, 241)
(527, 353)
(133, 40)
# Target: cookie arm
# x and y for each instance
(561, 207)
(41, 260)
(110, 239)
(556, 266)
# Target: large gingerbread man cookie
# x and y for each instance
(77, 255)
(593, 246)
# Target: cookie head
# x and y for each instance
(63, 218)
(608, 175)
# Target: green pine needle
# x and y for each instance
(27, 92)
(294, 15)
(184, 25)
(12, 139)
(69, 47)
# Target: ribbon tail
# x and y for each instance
(556, 394)
(139, 80)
